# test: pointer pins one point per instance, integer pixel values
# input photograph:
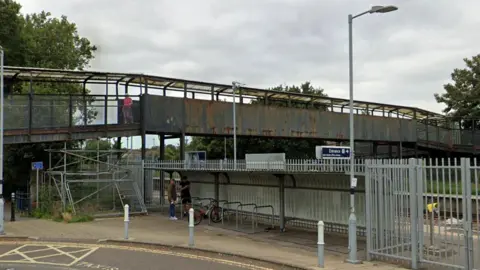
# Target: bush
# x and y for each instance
(49, 208)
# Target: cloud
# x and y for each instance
(402, 57)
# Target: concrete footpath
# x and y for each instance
(159, 230)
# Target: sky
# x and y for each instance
(401, 58)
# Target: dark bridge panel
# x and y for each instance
(170, 115)
(43, 118)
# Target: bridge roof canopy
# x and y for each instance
(172, 84)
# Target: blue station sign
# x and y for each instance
(37, 165)
(333, 152)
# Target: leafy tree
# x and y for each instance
(462, 96)
(11, 38)
(98, 144)
(93, 145)
(294, 148)
(38, 40)
(55, 43)
(172, 152)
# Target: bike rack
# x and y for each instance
(241, 205)
(218, 205)
(256, 214)
(203, 199)
(221, 201)
(193, 199)
(200, 200)
(223, 207)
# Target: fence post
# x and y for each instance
(368, 208)
(412, 176)
(191, 227)
(321, 244)
(126, 220)
(467, 208)
(12, 211)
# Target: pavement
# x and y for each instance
(157, 232)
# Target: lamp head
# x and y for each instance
(382, 9)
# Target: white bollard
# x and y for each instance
(126, 219)
(321, 245)
(191, 226)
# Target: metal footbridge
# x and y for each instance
(180, 108)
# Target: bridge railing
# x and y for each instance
(290, 165)
(451, 136)
(63, 111)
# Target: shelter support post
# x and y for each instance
(375, 149)
(390, 152)
(281, 214)
(161, 138)
(217, 188)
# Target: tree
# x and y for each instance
(55, 43)
(462, 96)
(11, 32)
(294, 148)
(39, 40)
(172, 152)
(93, 145)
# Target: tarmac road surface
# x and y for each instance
(49, 255)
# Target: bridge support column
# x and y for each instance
(390, 152)
(118, 146)
(281, 213)
(143, 114)
(161, 138)
(182, 146)
(400, 150)
(375, 149)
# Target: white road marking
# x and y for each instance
(84, 256)
(56, 248)
(94, 247)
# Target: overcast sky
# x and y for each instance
(401, 58)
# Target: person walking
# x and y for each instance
(172, 198)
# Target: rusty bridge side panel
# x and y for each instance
(204, 117)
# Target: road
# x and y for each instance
(49, 255)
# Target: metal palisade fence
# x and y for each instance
(289, 165)
(424, 212)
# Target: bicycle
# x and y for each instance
(211, 210)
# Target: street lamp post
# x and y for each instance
(2, 202)
(235, 85)
(234, 89)
(352, 220)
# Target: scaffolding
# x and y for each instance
(95, 181)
